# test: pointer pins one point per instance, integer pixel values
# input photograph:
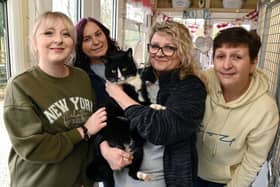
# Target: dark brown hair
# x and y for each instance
(82, 59)
(237, 36)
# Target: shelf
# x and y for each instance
(226, 10)
(211, 5)
(231, 10)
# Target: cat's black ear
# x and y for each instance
(129, 52)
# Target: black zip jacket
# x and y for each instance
(175, 127)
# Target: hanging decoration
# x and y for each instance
(146, 3)
(251, 18)
(222, 25)
(203, 51)
(166, 18)
(197, 13)
(143, 3)
(163, 17)
(192, 27)
(252, 15)
(204, 44)
(208, 27)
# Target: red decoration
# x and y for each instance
(192, 27)
(251, 16)
(222, 25)
(166, 18)
(146, 3)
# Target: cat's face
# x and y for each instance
(120, 66)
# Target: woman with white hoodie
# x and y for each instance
(241, 117)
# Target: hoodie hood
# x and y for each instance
(258, 86)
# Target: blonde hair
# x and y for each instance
(49, 19)
(181, 35)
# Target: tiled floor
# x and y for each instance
(5, 147)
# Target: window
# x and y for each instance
(4, 53)
(69, 7)
(4, 75)
(107, 15)
(135, 26)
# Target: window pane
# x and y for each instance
(106, 13)
(69, 7)
(4, 75)
(135, 35)
(3, 51)
(134, 13)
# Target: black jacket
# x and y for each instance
(175, 127)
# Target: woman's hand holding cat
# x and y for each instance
(116, 158)
(115, 91)
(96, 121)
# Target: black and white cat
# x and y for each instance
(121, 69)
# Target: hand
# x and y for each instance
(116, 158)
(96, 121)
(114, 90)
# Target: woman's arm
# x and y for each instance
(184, 103)
(116, 92)
(259, 142)
(25, 126)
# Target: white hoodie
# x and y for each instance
(235, 137)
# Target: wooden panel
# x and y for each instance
(194, 4)
(164, 4)
(216, 4)
(207, 4)
(250, 4)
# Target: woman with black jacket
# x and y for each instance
(174, 85)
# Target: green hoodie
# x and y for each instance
(41, 114)
(235, 137)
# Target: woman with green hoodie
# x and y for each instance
(241, 117)
(48, 112)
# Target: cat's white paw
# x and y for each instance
(136, 82)
(157, 107)
(143, 176)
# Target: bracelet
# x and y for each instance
(85, 131)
